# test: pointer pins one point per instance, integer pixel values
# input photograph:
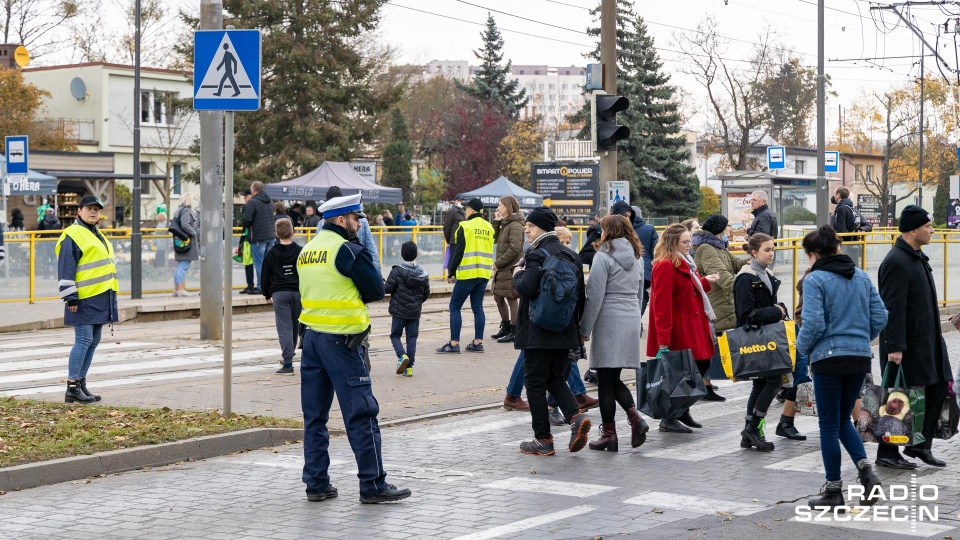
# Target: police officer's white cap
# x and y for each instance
(339, 206)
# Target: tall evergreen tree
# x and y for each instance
(398, 156)
(653, 158)
(493, 84)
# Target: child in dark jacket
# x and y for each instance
(281, 287)
(409, 287)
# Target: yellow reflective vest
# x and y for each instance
(331, 302)
(96, 273)
(477, 250)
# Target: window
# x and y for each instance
(798, 166)
(157, 107)
(145, 184)
(869, 172)
(858, 173)
(177, 172)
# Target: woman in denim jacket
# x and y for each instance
(842, 314)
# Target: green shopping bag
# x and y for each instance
(899, 419)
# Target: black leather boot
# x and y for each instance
(869, 480)
(504, 329)
(75, 394)
(509, 336)
(785, 428)
(83, 386)
(688, 420)
(753, 432)
(832, 496)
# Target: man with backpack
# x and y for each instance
(552, 295)
(844, 216)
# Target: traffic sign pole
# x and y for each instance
(228, 266)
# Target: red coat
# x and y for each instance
(677, 317)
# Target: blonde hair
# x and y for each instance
(186, 200)
(284, 228)
(564, 234)
(667, 247)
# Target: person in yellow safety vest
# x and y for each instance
(337, 279)
(88, 286)
(470, 270)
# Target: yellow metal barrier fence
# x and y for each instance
(30, 269)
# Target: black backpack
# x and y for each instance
(554, 307)
(860, 224)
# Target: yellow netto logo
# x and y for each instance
(759, 347)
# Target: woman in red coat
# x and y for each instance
(680, 313)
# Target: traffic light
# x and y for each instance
(604, 130)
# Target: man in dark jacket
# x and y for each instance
(409, 287)
(451, 222)
(764, 221)
(48, 262)
(912, 338)
(281, 287)
(844, 220)
(545, 365)
(257, 217)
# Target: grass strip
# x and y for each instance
(32, 430)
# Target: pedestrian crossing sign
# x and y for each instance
(226, 70)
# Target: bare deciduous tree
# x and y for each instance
(37, 24)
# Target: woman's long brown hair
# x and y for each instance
(616, 226)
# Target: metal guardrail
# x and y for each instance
(30, 270)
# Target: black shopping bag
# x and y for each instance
(669, 385)
(751, 352)
(949, 416)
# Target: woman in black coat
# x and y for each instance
(16, 220)
(755, 298)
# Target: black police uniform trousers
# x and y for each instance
(328, 366)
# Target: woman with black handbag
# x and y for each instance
(185, 250)
(755, 297)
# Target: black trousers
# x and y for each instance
(936, 396)
(762, 394)
(547, 369)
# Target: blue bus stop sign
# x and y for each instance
(776, 157)
(17, 152)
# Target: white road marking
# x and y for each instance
(441, 432)
(524, 524)
(51, 351)
(694, 504)
(811, 463)
(549, 487)
(102, 358)
(133, 366)
(920, 528)
(699, 448)
(24, 345)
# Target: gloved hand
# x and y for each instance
(662, 350)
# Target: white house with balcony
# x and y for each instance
(94, 103)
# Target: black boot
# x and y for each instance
(673, 426)
(590, 376)
(712, 394)
(753, 433)
(869, 480)
(504, 330)
(785, 428)
(75, 394)
(509, 336)
(832, 496)
(83, 386)
(688, 420)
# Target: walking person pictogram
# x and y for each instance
(229, 63)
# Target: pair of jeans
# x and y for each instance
(574, 381)
(935, 395)
(259, 250)
(286, 312)
(762, 394)
(87, 337)
(248, 271)
(836, 396)
(180, 274)
(412, 329)
(463, 289)
(546, 369)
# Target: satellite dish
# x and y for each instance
(78, 88)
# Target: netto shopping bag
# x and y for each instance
(900, 416)
(751, 352)
(669, 385)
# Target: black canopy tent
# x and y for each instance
(314, 185)
(490, 194)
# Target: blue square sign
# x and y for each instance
(776, 157)
(17, 153)
(832, 162)
(226, 70)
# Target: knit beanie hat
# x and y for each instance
(476, 204)
(913, 217)
(543, 217)
(409, 251)
(715, 224)
(334, 191)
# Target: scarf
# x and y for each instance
(707, 308)
(539, 239)
(761, 270)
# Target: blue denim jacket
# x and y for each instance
(840, 316)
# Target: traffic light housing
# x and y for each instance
(605, 132)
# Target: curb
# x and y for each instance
(67, 469)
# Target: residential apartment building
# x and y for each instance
(94, 103)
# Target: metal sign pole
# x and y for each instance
(228, 264)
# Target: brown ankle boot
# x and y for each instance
(608, 438)
(586, 402)
(638, 427)
(515, 403)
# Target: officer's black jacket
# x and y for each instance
(355, 263)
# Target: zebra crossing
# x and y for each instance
(39, 366)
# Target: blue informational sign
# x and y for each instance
(226, 70)
(776, 157)
(832, 161)
(17, 152)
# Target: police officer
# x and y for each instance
(337, 279)
(88, 286)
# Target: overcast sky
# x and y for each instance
(850, 33)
